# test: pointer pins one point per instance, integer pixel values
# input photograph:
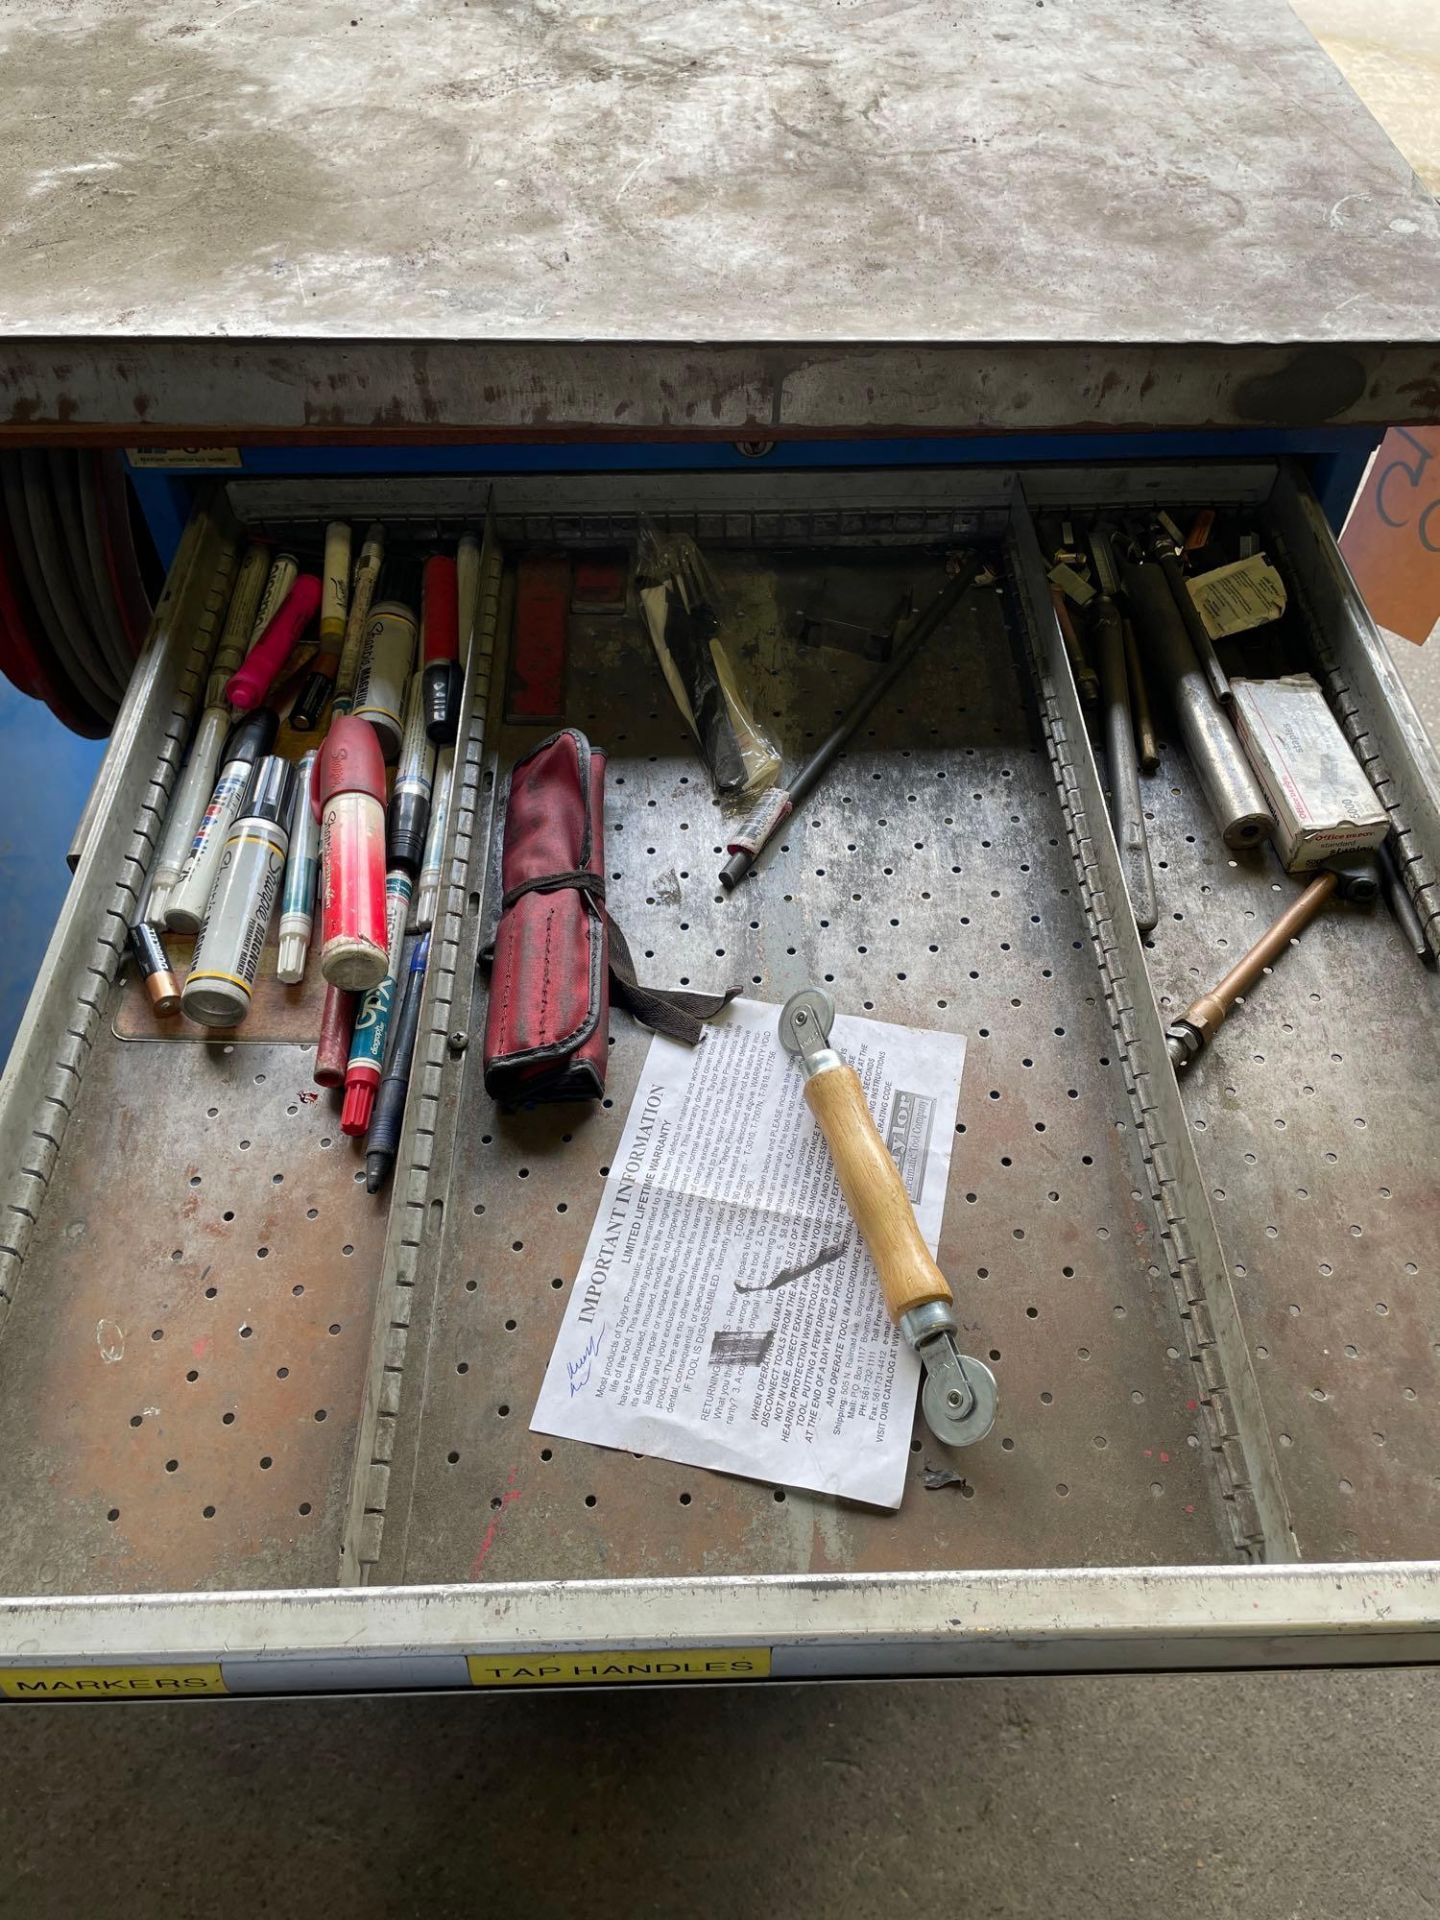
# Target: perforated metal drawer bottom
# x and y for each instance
(928, 881)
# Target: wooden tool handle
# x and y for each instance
(874, 1191)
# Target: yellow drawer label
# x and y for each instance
(658, 1664)
(108, 1683)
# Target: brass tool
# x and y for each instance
(960, 1396)
(1146, 744)
(1199, 1023)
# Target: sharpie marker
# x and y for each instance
(357, 620)
(372, 1023)
(302, 876)
(253, 679)
(221, 981)
(236, 634)
(409, 813)
(349, 779)
(192, 790)
(313, 697)
(250, 740)
(386, 663)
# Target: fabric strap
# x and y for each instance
(675, 1014)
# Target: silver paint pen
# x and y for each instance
(414, 778)
(221, 980)
(250, 740)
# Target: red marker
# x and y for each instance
(337, 1023)
(349, 781)
(252, 680)
(440, 641)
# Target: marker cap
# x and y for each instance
(251, 738)
(359, 1105)
(351, 761)
(271, 789)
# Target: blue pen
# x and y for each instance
(384, 1135)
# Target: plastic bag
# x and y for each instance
(686, 615)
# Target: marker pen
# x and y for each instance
(332, 1044)
(284, 570)
(372, 1023)
(349, 780)
(192, 790)
(152, 963)
(414, 778)
(250, 739)
(362, 592)
(239, 620)
(252, 680)
(221, 980)
(302, 875)
(385, 666)
(427, 887)
(384, 1136)
(334, 600)
(440, 647)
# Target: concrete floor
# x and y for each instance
(1305, 1794)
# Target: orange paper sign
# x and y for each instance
(1391, 541)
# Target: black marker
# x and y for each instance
(384, 1135)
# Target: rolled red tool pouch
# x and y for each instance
(557, 958)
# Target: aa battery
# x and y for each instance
(192, 790)
(152, 963)
(427, 887)
(409, 814)
(385, 667)
(302, 876)
(249, 740)
(222, 973)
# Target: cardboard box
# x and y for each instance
(1322, 802)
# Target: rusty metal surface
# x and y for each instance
(1316, 1111)
(1203, 226)
(182, 1369)
(276, 1013)
(926, 881)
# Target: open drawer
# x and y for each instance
(260, 1433)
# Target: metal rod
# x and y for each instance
(1126, 811)
(1085, 677)
(1199, 1023)
(1196, 628)
(1146, 743)
(1231, 789)
(1397, 896)
(780, 802)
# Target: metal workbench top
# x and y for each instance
(764, 217)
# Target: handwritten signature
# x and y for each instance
(579, 1368)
